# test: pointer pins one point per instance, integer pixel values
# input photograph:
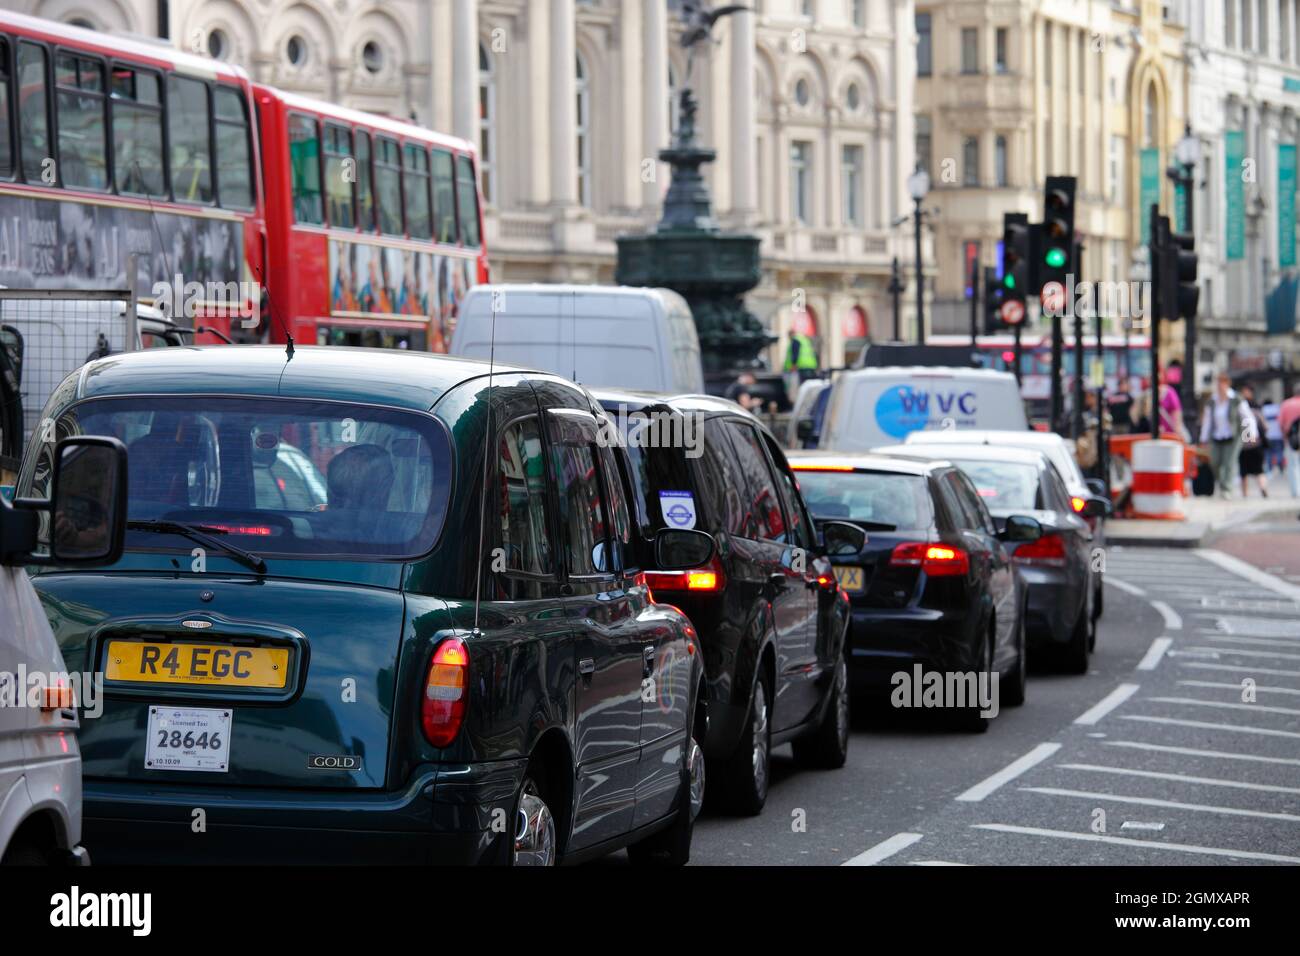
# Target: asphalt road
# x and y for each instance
(1150, 758)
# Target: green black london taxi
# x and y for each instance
(373, 606)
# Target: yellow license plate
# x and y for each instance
(206, 664)
(850, 578)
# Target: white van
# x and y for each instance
(600, 336)
(871, 407)
(40, 762)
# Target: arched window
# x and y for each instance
(1150, 135)
(487, 115)
(583, 131)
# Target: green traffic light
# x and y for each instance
(1009, 281)
(1055, 258)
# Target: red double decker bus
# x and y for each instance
(112, 147)
(252, 211)
(375, 224)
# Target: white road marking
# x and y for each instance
(1171, 804)
(1204, 725)
(1139, 825)
(1226, 639)
(1153, 655)
(1149, 844)
(883, 851)
(936, 863)
(1272, 671)
(1250, 572)
(1194, 752)
(1244, 653)
(1125, 586)
(1237, 687)
(1180, 778)
(1108, 703)
(1008, 773)
(1172, 620)
(1261, 708)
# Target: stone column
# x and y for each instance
(743, 108)
(464, 69)
(563, 102)
(654, 72)
(631, 54)
(535, 102)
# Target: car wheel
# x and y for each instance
(1098, 601)
(1014, 689)
(535, 843)
(1075, 660)
(971, 719)
(745, 775)
(672, 847)
(828, 747)
(25, 854)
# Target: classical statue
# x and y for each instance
(700, 19)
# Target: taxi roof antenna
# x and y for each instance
(487, 448)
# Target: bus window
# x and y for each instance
(444, 197)
(137, 132)
(365, 195)
(6, 145)
(191, 148)
(338, 181)
(304, 161)
(388, 186)
(33, 131)
(234, 176)
(467, 204)
(415, 161)
(83, 152)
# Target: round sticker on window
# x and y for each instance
(678, 508)
(266, 440)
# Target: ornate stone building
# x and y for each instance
(808, 102)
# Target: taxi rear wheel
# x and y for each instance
(534, 840)
(744, 777)
(828, 747)
(672, 847)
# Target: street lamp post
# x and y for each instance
(918, 186)
(1187, 156)
(896, 289)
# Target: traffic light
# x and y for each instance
(1017, 257)
(1183, 262)
(995, 293)
(1056, 252)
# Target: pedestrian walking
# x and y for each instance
(1273, 440)
(1223, 421)
(1250, 459)
(1171, 410)
(1288, 422)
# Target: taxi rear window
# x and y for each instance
(278, 477)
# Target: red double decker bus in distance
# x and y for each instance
(112, 146)
(374, 225)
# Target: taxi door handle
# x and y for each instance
(586, 667)
(776, 581)
(647, 661)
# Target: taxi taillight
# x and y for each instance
(446, 693)
(708, 578)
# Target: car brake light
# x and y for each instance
(446, 693)
(709, 578)
(936, 560)
(58, 697)
(1077, 503)
(1048, 550)
(800, 466)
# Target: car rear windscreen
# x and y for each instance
(1003, 484)
(880, 500)
(307, 479)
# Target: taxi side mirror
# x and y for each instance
(87, 509)
(679, 549)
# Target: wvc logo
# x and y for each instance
(74, 909)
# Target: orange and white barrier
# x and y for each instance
(1158, 468)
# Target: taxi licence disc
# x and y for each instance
(224, 665)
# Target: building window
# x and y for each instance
(1000, 50)
(851, 168)
(801, 182)
(1230, 23)
(1117, 150)
(583, 134)
(1047, 54)
(923, 45)
(1261, 38)
(1284, 30)
(1083, 62)
(806, 8)
(970, 50)
(802, 92)
(924, 142)
(1000, 161)
(1246, 32)
(487, 114)
(1150, 134)
(970, 161)
(860, 13)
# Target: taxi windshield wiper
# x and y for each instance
(203, 534)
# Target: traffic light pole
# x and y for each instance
(1058, 399)
(1078, 353)
(1155, 245)
(920, 281)
(1017, 352)
(974, 302)
(1189, 332)
(896, 288)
